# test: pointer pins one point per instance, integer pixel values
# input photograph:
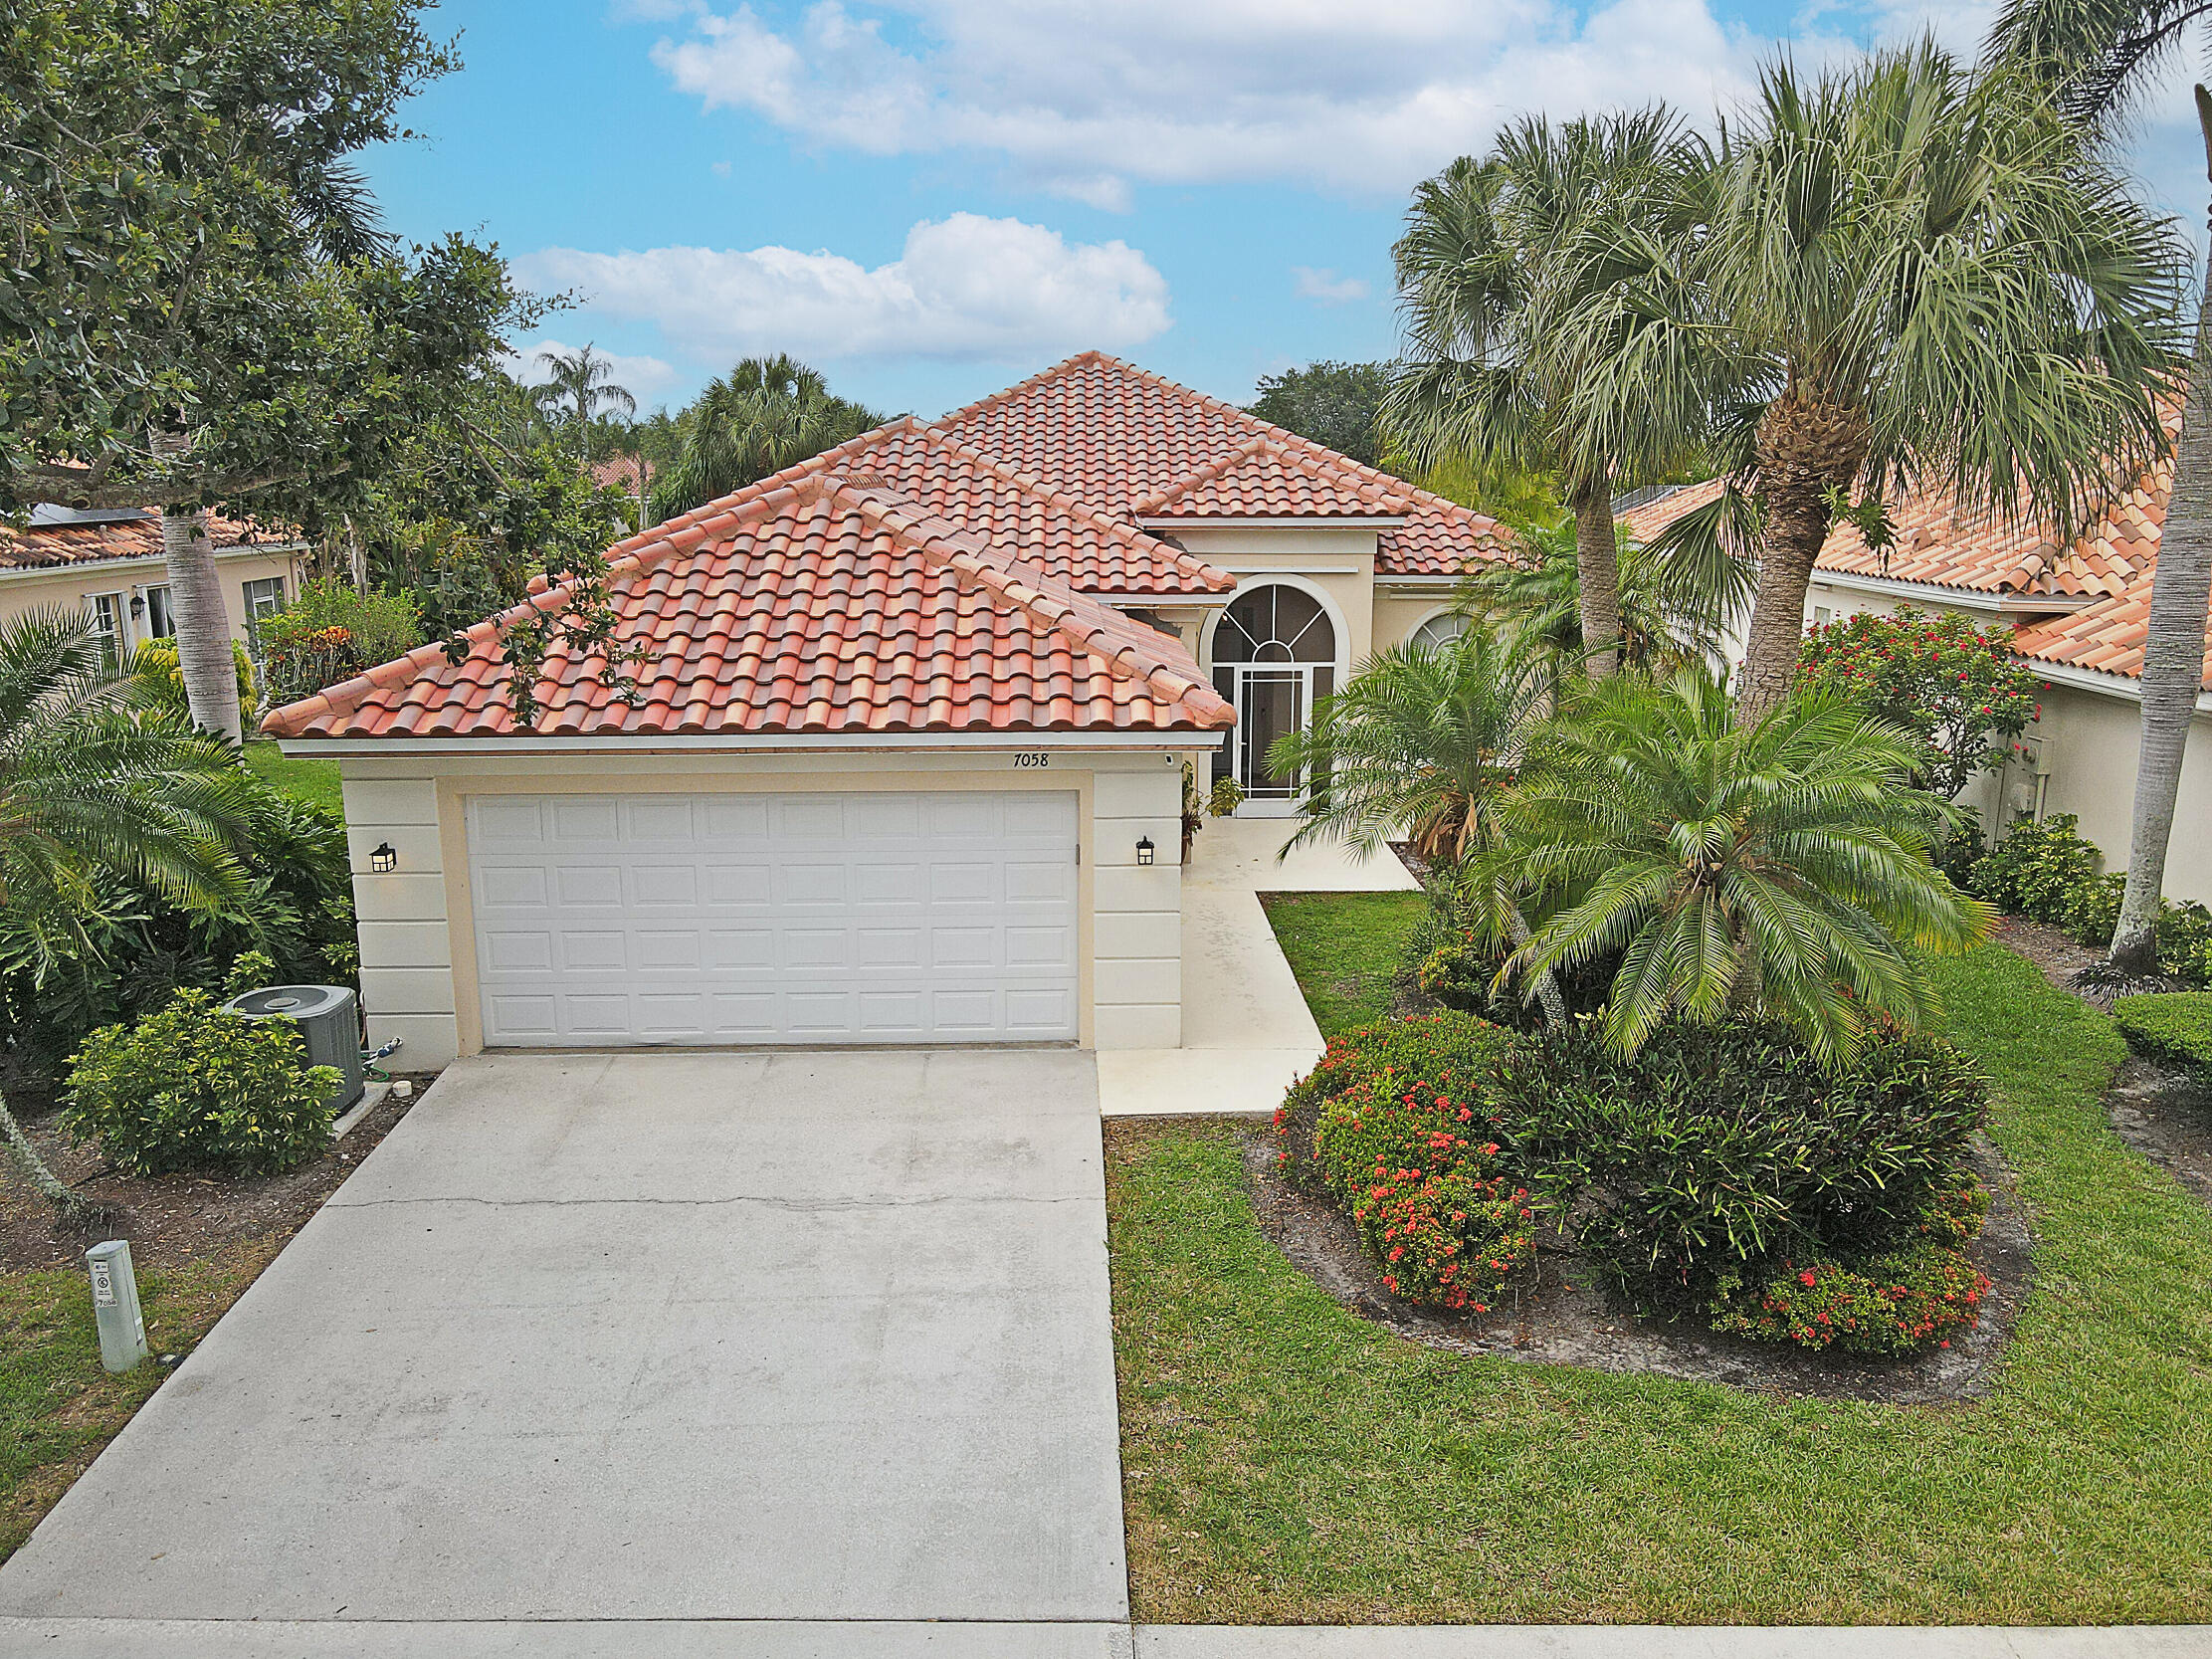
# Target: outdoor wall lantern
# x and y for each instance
(1144, 849)
(137, 606)
(383, 860)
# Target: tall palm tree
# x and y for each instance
(579, 384)
(1924, 279)
(93, 793)
(1497, 259)
(1781, 866)
(765, 414)
(2103, 58)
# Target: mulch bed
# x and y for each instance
(1562, 1317)
(170, 1219)
(2156, 1107)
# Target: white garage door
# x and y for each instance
(775, 919)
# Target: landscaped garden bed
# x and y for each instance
(1291, 1456)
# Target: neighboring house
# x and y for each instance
(632, 475)
(2081, 611)
(108, 562)
(907, 760)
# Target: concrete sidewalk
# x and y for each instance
(1247, 1033)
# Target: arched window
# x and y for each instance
(1273, 657)
(1275, 624)
(1440, 629)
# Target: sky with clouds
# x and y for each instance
(927, 199)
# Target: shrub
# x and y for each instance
(2038, 870)
(2176, 1027)
(193, 1087)
(1894, 1303)
(1438, 1057)
(1226, 796)
(1449, 1238)
(158, 683)
(1720, 1148)
(1956, 686)
(331, 633)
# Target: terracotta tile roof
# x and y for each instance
(1262, 478)
(57, 547)
(1119, 439)
(2113, 562)
(809, 604)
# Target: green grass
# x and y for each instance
(58, 1408)
(309, 780)
(1346, 950)
(1286, 1461)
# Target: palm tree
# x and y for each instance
(93, 795)
(767, 414)
(1924, 279)
(1778, 866)
(1498, 258)
(2102, 58)
(578, 385)
(1666, 615)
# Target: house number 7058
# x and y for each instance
(1030, 757)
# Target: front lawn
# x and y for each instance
(316, 781)
(58, 1408)
(1345, 948)
(1286, 1461)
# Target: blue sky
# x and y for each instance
(930, 198)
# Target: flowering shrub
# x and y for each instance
(193, 1087)
(1448, 1237)
(331, 633)
(1433, 1057)
(1893, 1303)
(1953, 685)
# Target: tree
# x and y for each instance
(2103, 58)
(200, 306)
(1501, 266)
(1778, 866)
(93, 796)
(765, 414)
(1335, 405)
(1925, 281)
(1956, 688)
(581, 383)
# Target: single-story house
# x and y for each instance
(906, 760)
(109, 561)
(2081, 609)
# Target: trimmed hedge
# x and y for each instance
(2176, 1027)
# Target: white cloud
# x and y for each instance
(1325, 286)
(1357, 96)
(965, 286)
(642, 377)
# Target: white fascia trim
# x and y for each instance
(140, 562)
(1962, 598)
(1349, 521)
(1416, 585)
(1160, 601)
(893, 742)
(2126, 687)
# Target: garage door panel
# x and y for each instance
(893, 917)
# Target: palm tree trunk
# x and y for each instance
(196, 606)
(1598, 572)
(67, 1202)
(2173, 651)
(1554, 1005)
(1807, 445)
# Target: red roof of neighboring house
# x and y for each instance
(621, 472)
(815, 604)
(937, 577)
(2113, 562)
(41, 547)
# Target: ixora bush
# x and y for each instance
(195, 1087)
(2176, 1027)
(1703, 1176)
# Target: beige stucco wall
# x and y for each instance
(418, 947)
(74, 585)
(1397, 615)
(1337, 564)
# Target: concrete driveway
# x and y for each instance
(660, 1337)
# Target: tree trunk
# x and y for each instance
(2173, 651)
(1807, 445)
(1598, 572)
(196, 605)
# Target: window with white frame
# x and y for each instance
(1440, 630)
(265, 596)
(161, 620)
(107, 614)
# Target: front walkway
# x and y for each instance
(658, 1337)
(1247, 1032)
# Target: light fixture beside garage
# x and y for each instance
(383, 860)
(1144, 849)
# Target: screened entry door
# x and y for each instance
(1270, 701)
